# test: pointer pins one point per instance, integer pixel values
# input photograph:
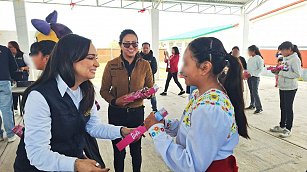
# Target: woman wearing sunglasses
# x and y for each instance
(59, 110)
(123, 75)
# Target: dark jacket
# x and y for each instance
(67, 127)
(116, 82)
(20, 75)
(8, 64)
(243, 62)
(152, 61)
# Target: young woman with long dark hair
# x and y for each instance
(287, 83)
(59, 109)
(172, 70)
(255, 66)
(23, 63)
(214, 118)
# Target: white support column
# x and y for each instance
(22, 32)
(155, 36)
(245, 34)
(21, 25)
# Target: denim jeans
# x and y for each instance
(6, 102)
(253, 84)
(153, 101)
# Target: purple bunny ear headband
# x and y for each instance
(44, 26)
(50, 23)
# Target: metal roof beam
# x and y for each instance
(205, 9)
(79, 1)
(129, 4)
(189, 7)
(47, 1)
(106, 2)
(252, 5)
(165, 9)
(184, 6)
(257, 6)
(221, 10)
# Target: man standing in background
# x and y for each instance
(147, 55)
(8, 66)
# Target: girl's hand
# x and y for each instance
(151, 120)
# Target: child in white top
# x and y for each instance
(209, 128)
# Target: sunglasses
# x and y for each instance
(128, 44)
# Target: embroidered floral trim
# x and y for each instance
(187, 121)
(212, 97)
(155, 131)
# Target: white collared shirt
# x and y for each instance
(37, 121)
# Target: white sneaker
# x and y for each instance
(286, 133)
(12, 139)
(1, 138)
(277, 129)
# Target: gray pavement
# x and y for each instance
(265, 152)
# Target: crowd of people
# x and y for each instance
(61, 122)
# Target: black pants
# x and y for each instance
(253, 84)
(169, 77)
(25, 77)
(286, 108)
(131, 119)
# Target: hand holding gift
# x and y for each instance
(140, 130)
(246, 75)
(152, 120)
(141, 94)
(278, 68)
(122, 101)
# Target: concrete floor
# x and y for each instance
(265, 152)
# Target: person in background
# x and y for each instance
(287, 83)
(255, 66)
(172, 69)
(236, 53)
(40, 53)
(147, 55)
(59, 109)
(8, 68)
(122, 76)
(214, 118)
(23, 63)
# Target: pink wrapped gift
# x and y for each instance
(139, 131)
(246, 74)
(145, 92)
(18, 130)
(278, 68)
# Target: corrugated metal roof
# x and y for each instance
(234, 2)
